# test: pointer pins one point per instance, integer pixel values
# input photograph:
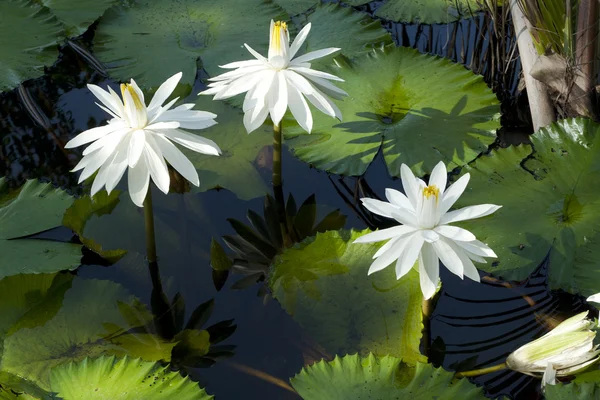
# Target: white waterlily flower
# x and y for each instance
(425, 235)
(594, 298)
(278, 81)
(139, 137)
(565, 350)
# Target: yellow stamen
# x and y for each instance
(432, 190)
(136, 99)
(279, 25)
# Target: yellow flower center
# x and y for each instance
(277, 28)
(136, 99)
(431, 190)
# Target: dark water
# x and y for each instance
(474, 325)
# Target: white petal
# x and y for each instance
(118, 166)
(310, 73)
(430, 236)
(136, 147)
(439, 176)
(100, 179)
(476, 247)
(253, 119)
(93, 134)
(388, 245)
(327, 88)
(409, 256)
(256, 54)
(470, 212)
(178, 160)
(242, 64)
(299, 108)
(549, 377)
(280, 98)
(469, 269)
(398, 199)
(164, 91)
(410, 185)
(139, 179)
(429, 270)
(324, 104)
(299, 40)
(159, 172)
(388, 257)
(163, 125)
(379, 207)
(449, 257)
(242, 84)
(595, 298)
(384, 234)
(453, 193)
(455, 233)
(106, 98)
(313, 55)
(193, 142)
(106, 141)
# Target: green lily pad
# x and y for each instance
(387, 377)
(152, 40)
(37, 208)
(122, 379)
(78, 15)
(550, 201)
(236, 168)
(38, 33)
(424, 11)
(573, 391)
(323, 283)
(295, 7)
(77, 330)
(420, 109)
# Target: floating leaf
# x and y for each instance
(424, 11)
(37, 208)
(550, 200)
(77, 16)
(24, 57)
(398, 112)
(152, 40)
(76, 331)
(295, 7)
(122, 379)
(387, 377)
(573, 391)
(323, 284)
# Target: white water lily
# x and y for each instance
(565, 350)
(425, 235)
(594, 298)
(139, 137)
(275, 82)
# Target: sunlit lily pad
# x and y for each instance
(25, 55)
(421, 109)
(424, 11)
(78, 15)
(37, 208)
(154, 39)
(388, 377)
(122, 379)
(323, 284)
(550, 200)
(77, 330)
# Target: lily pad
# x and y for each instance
(323, 284)
(550, 202)
(76, 331)
(236, 168)
(78, 15)
(420, 109)
(388, 377)
(36, 47)
(295, 7)
(154, 39)
(424, 11)
(37, 208)
(122, 379)
(573, 391)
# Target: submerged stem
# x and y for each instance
(149, 220)
(277, 155)
(481, 371)
(426, 307)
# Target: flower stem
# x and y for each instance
(481, 371)
(149, 219)
(427, 308)
(277, 155)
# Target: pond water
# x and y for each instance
(473, 325)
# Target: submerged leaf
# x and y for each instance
(375, 378)
(323, 284)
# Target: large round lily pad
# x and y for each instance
(323, 284)
(37, 208)
(28, 41)
(375, 378)
(418, 108)
(122, 379)
(78, 15)
(154, 39)
(550, 202)
(424, 11)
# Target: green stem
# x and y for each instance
(149, 219)
(427, 308)
(277, 155)
(481, 371)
